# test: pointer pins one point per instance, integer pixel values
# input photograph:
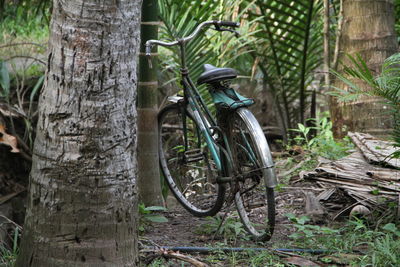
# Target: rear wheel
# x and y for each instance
(186, 163)
(254, 173)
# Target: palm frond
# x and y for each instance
(290, 49)
(386, 85)
(181, 17)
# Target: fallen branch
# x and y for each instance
(155, 252)
(182, 257)
(10, 196)
(295, 168)
(368, 176)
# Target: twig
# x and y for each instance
(14, 223)
(10, 196)
(326, 44)
(338, 36)
(30, 57)
(24, 146)
(398, 209)
(25, 156)
(363, 202)
(295, 168)
(302, 188)
(179, 256)
(24, 43)
(158, 251)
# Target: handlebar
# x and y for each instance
(217, 23)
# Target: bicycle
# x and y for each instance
(205, 156)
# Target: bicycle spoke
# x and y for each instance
(254, 201)
(186, 164)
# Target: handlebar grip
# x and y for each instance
(228, 23)
(148, 49)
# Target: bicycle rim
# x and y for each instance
(253, 170)
(190, 172)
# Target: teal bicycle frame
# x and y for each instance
(220, 153)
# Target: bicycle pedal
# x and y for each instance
(193, 155)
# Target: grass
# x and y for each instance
(23, 25)
(8, 254)
(230, 228)
(24, 22)
(352, 243)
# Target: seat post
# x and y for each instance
(184, 70)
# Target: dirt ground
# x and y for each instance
(183, 229)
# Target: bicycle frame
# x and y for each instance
(232, 136)
(201, 113)
(193, 99)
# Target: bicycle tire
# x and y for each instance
(192, 183)
(254, 175)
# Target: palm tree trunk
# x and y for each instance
(82, 205)
(368, 30)
(149, 172)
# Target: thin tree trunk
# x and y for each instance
(368, 30)
(327, 51)
(82, 205)
(149, 172)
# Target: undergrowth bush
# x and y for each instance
(386, 85)
(366, 246)
(24, 20)
(322, 144)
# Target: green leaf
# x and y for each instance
(156, 218)
(4, 79)
(155, 208)
(35, 89)
(391, 227)
(303, 219)
(291, 216)
(302, 128)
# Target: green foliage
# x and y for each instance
(323, 144)
(380, 246)
(19, 91)
(146, 216)
(4, 80)
(386, 85)
(289, 49)
(24, 20)
(397, 15)
(249, 258)
(304, 230)
(9, 255)
(230, 228)
(265, 259)
(180, 18)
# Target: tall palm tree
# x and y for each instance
(82, 204)
(368, 30)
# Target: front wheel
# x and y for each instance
(187, 164)
(254, 175)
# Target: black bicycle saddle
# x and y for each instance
(213, 74)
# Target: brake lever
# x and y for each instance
(237, 34)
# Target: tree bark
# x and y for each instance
(82, 204)
(368, 30)
(149, 172)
